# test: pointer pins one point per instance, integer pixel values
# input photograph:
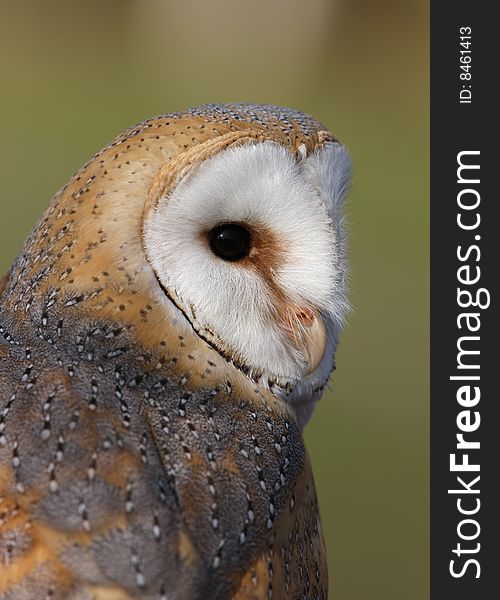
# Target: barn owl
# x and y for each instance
(164, 334)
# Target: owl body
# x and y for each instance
(151, 410)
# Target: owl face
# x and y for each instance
(248, 244)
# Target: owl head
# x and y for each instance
(228, 221)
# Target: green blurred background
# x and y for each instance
(74, 74)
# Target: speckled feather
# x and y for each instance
(135, 461)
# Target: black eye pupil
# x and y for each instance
(229, 241)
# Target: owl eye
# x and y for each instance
(230, 241)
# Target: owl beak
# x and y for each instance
(311, 338)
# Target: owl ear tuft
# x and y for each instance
(328, 170)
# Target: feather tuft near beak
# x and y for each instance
(309, 335)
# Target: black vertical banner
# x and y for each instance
(465, 345)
